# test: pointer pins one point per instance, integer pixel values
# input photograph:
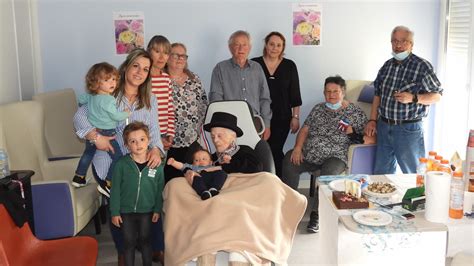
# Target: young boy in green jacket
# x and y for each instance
(136, 196)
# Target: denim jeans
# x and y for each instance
(291, 172)
(402, 144)
(90, 150)
(137, 226)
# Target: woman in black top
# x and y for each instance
(283, 82)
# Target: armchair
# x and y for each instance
(361, 157)
(59, 108)
(60, 210)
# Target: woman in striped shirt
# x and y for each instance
(133, 95)
(159, 48)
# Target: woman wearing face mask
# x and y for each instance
(323, 141)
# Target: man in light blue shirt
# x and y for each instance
(241, 79)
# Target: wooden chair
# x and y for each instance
(18, 246)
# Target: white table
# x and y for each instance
(413, 242)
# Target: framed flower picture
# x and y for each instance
(307, 25)
(129, 31)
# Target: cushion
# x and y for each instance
(367, 93)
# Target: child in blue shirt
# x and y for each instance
(102, 113)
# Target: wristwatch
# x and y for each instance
(415, 98)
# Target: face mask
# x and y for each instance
(401, 56)
(334, 106)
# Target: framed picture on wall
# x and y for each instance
(307, 18)
(129, 31)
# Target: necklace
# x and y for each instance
(180, 78)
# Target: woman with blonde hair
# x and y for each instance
(159, 48)
(132, 94)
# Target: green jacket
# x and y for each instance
(133, 191)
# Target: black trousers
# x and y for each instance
(137, 224)
(280, 128)
(209, 180)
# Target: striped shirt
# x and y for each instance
(149, 117)
(162, 89)
(414, 75)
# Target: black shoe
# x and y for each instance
(104, 189)
(214, 192)
(206, 195)
(79, 181)
(313, 224)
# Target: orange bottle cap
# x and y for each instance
(423, 160)
(432, 153)
(458, 174)
(444, 161)
(439, 157)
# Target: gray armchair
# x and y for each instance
(60, 210)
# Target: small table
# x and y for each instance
(21, 180)
(412, 242)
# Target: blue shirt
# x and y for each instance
(231, 82)
(414, 75)
(102, 111)
(149, 117)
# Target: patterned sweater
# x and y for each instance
(324, 139)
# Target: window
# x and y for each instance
(455, 113)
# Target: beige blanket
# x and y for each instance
(254, 214)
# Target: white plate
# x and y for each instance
(372, 218)
(338, 185)
(378, 195)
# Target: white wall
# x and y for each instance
(75, 34)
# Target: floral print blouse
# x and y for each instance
(190, 102)
(324, 139)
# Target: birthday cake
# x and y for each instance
(351, 198)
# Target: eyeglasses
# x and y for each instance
(179, 56)
(399, 42)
